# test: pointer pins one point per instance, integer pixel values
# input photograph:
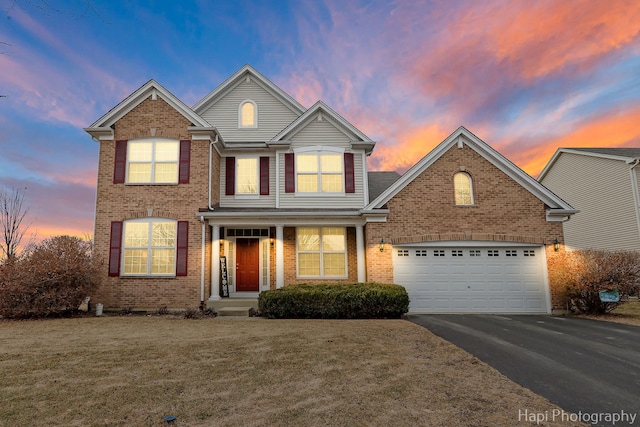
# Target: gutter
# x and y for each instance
(636, 193)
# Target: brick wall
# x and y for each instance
(425, 211)
(118, 202)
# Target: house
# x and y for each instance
(603, 184)
(248, 191)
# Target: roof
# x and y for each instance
(627, 155)
(237, 77)
(380, 181)
(329, 114)
(558, 209)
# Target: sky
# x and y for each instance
(525, 76)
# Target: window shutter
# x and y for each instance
(115, 246)
(289, 173)
(185, 160)
(182, 247)
(230, 187)
(264, 176)
(349, 174)
(120, 164)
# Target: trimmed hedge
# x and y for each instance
(334, 301)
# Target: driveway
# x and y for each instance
(581, 365)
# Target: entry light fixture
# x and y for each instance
(556, 245)
(381, 245)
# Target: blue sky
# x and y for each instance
(526, 77)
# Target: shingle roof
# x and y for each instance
(626, 152)
(380, 181)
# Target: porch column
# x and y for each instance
(362, 273)
(215, 263)
(279, 256)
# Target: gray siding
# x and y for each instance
(273, 116)
(601, 189)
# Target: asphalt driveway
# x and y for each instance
(581, 365)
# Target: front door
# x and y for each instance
(247, 265)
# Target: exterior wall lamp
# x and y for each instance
(556, 245)
(381, 246)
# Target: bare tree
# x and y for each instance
(13, 212)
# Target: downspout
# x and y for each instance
(210, 167)
(636, 193)
(202, 256)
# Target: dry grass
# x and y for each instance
(130, 371)
(627, 313)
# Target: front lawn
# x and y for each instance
(134, 371)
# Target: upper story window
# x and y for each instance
(152, 161)
(248, 114)
(319, 173)
(149, 247)
(247, 176)
(463, 188)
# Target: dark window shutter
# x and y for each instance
(289, 173)
(264, 176)
(182, 247)
(185, 160)
(230, 186)
(115, 246)
(349, 174)
(120, 164)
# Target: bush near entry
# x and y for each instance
(52, 278)
(583, 274)
(335, 301)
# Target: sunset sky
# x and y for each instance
(525, 76)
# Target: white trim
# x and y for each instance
(360, 254)
(215, 262)
(491, 155)
(237, 78)
(255, 114)
(469, 244)
(559, 151)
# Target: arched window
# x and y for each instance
(463, 188)
(248, 115)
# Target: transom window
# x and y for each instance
(322, 252)
(247, 176)
(463, 189)
(319, 173)
(150, 247)
(248, 115)
(152, 161)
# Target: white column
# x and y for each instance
(215, 263)
(362, 273)
(279, 256)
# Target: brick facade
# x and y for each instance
(425, 211)
(118, 202)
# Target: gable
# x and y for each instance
(102, 128)
(272, 113)
(558, 209)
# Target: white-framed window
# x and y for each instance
(152, 161)
(247, 176)
(319, 173)
(322, 251)
(149, 247)
(248, 114)
(463, 188)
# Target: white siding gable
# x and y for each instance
(602, 190)
(273, 114)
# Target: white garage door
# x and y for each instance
(472, 279)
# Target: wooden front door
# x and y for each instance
(247, 265)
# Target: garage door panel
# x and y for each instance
(472, 280)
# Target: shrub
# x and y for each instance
(335, 301)
(52, 278)
(584, 273)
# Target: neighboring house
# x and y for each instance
(248, 191)
(603, 184)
